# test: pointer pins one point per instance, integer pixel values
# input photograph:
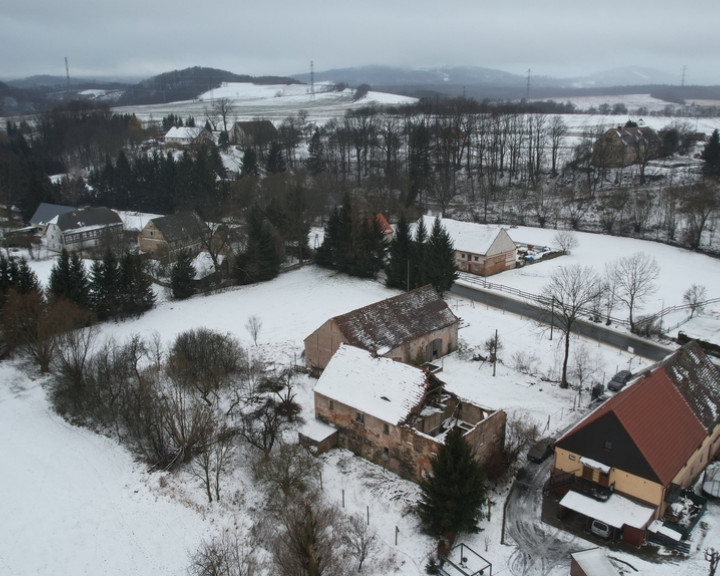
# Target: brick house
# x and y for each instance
(415, 326)
(630, 459)
(83, 229)
(479, 248)
(166, 235)
(396, 415)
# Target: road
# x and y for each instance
(639, 346)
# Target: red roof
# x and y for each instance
(658, 420)
(384, 224)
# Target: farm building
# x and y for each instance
(416, 326)
(396, 415)
(625, 146)
(165, 236)
(82, 229)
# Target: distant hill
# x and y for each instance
(480, 83)
(188, 84)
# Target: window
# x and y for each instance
(572, 457)
(462, 256)
(607, 445)
(331, 404)
(386, 429)
(359, 417)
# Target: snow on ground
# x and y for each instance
(147, 523)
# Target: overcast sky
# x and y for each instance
(141, 38)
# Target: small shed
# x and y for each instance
(592, 562)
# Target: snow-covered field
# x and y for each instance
(76, 503)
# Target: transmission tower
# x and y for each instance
(67, 73)
(527, 91)
(312, 80)
(682, 79)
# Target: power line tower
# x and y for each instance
(682, 79)
(527, 90)
(67, 73)
(312, 80)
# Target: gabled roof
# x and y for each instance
(179, 227)
(87, 218)
(381, 387)
(257, 127)
(650, 425)
(46, 212)
(469, 236)
(184, 132)
(385, 325)
(630, 136)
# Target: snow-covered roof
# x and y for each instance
(87, 219)
(183, 133)
(594, 562)
(595, 465)
(380, 387)
(316, 430)
(616, 511)
(46, 212)
(468, 236)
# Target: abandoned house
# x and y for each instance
(628, 462)
(396, 415)
(415, 326)
(626, 145)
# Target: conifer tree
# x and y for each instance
(452, 496)
(105, 286)
(275, 161)
(261, 259)
(440, 258)
(135, 294)
(711, 153)
(397, 270)
(249, 163)
(182, 275)
(418, 255)
(68, 279)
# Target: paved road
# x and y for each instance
(598, 332)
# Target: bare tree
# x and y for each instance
(699, 203)
(288, 471)
(712, 557)
(222, 108)
(558, 130)
(633, 278)
(695, 297)
(359, 538)
(254, 325)
(567, 293)
(565, 240)
(224, 555)
(307, 542)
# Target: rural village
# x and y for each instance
(217, 384)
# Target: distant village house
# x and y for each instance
(165, 236)
(83, 229)
(626, 145)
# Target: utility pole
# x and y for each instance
(682, 79)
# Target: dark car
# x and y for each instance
(619, 380)
(540, 450)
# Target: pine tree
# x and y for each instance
(397, 270)
(711, 153)
(440, 254)
(275, 161)
(316, 160)
(261, 259)
(135, 295)
(418, 255)
(68, 279)
(182, 275)
(368, 248)
(249, 163)
(105, 286)
(452, 496)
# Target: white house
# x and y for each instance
(81, 229)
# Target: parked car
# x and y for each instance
(619, 380)
(600, 529)
(540, 450)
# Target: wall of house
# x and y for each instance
(398, 448)
(151, 240)
(625, 483)
(485, 265)
(414, 350)
(699, 460)
(321, 345)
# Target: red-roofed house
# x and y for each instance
(646, 443)
(416, 326)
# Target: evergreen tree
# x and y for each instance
(261, 259)
(60, 282)
(249, 163)
(316, 160)
(275, 161)
(452, 496)
(135, 294)
(418, 255)
(711, 153)
(105, 286)
(440, 258)
(182, 275)
(397, 270)
(368, 248)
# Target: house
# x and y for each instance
(416, 326)
(165, 236)
(385, 228)
(397, 415)
(479, 248)
(256, 134)
(81, 229)
(592, 562)
(46, 212)
(625, 146)
(186, 136)
(630, 459)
